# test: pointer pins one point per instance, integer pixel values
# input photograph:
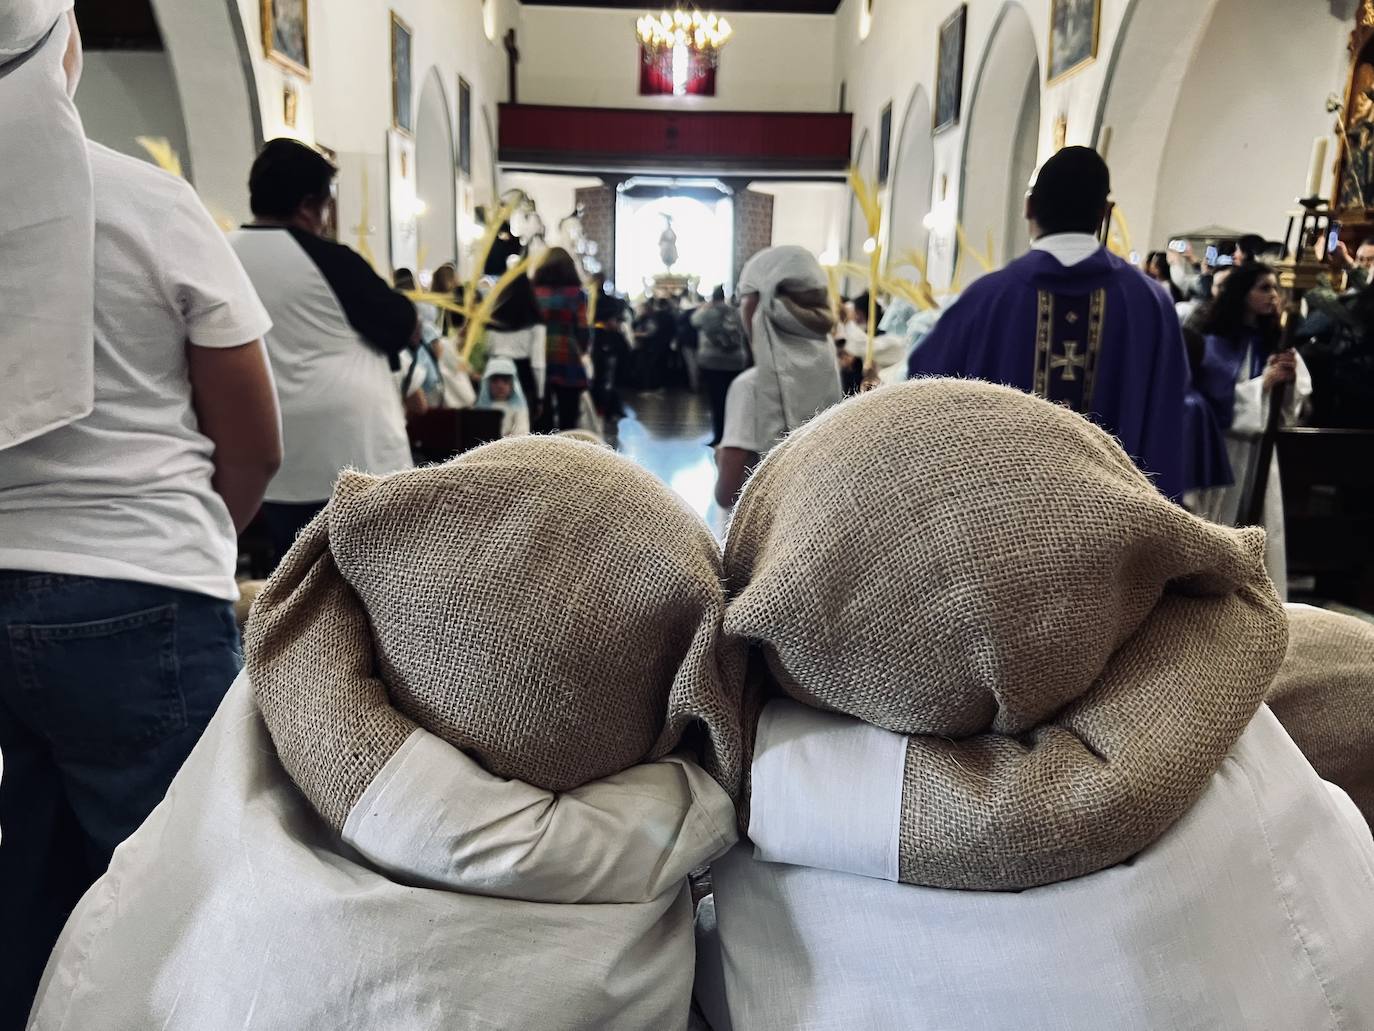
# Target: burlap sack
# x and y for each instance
(544, 605)
(1324, 697)
(991, 574)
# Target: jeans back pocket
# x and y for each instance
(103, 689)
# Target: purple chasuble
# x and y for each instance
(1098, 337)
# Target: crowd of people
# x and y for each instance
(710, 785)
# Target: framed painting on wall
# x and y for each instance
(286, 34)
(949, 74)
(884, 144)
(464, 127)
(402, 113)
(1074, 27)
(402, 228)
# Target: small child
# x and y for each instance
(501, 391)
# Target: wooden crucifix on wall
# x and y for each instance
(513, 65)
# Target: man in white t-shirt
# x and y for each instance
(117, 528)
(338, 331)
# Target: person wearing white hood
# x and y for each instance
(138, 430)
(785, 305)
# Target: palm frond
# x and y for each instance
(866, 194)
(160, 149)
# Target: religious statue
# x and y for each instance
(667, 244)
(1357, 179)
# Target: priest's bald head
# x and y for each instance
(1069, 194)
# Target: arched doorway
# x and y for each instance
(913, 178)
(212, 66)
(435, 175)
(858, 227)
(486, 179)
(1003, 137)
(1178, 66)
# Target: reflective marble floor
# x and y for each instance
(667, 434)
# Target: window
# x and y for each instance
(680, 71)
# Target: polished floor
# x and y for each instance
(666, 432)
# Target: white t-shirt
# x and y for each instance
(340, 404)
(739, 414)
(125, 493)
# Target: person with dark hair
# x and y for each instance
(445, 281)
(563, 306)
(505, 247)
(1073, 323)
(610, 350)
(722, 354)
(517, 331)
(1251, 248)
(1157, 268)
(1241, 368)
(338, 332)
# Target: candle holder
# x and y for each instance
(1302, 264)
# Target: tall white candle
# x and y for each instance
(1314, 177)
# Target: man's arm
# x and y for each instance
(236, 406)
(733, 466)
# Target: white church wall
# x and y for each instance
(208, 48)
(346, 102)
(1202, 130)
(808, 214)
(1240, 144)
(584, 56)
(554, 197)
(129, 93)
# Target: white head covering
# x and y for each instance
(47, 230)
(798, 375)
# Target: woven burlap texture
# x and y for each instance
(543, 604)
(1324, 697)
(1072, 654)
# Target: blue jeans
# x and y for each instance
(105, 686)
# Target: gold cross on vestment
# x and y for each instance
(1071, 361)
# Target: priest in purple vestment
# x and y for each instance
(1073, 323)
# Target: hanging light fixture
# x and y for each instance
(682, 30)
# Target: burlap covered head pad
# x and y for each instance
(991, 573)
(1324, 697)
(543, 604)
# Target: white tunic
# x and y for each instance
(340, 405)
(1256, 910)
(1243, 444)
(455, 900)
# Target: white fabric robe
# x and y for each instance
(1254, 911)
(1243, 443)
(798, 375)
(459, 900)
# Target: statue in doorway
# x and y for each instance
(667, 244)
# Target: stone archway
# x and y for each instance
(858, 228)
(1001, 143)
(435, 175)
(913, 178)
(213, 69)
(1181, 73)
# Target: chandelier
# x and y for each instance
(661, 34)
